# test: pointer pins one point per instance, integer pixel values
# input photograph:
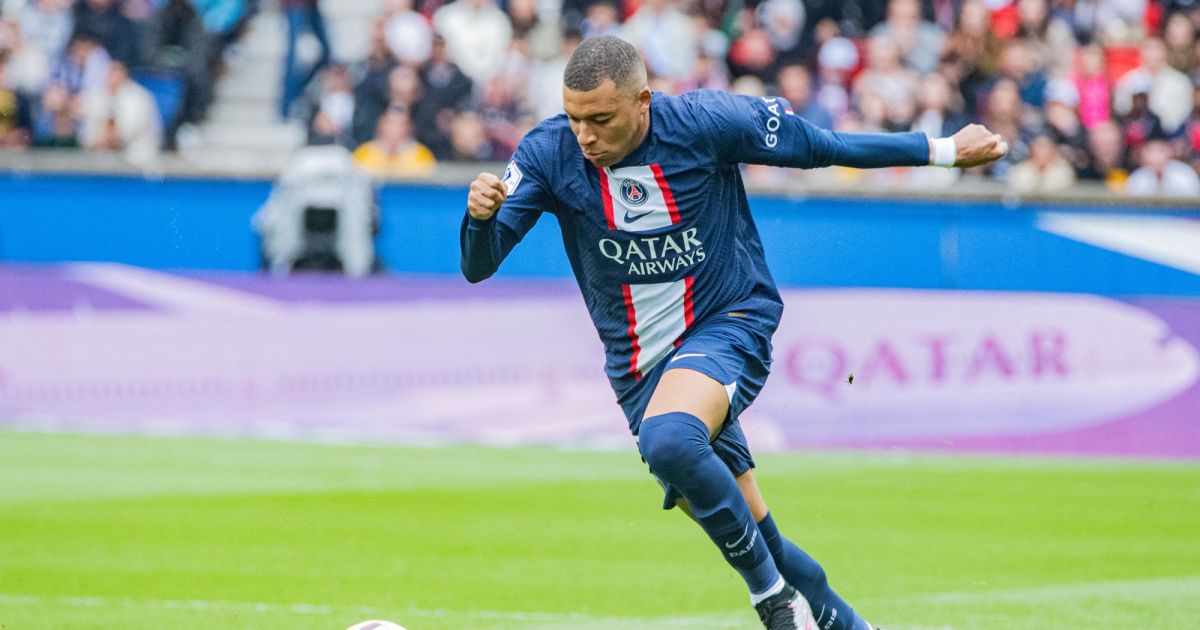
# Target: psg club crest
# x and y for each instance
(633, 193)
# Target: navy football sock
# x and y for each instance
(806, 575)
(676, 447)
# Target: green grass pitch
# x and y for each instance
(135, 532)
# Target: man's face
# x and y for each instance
(795, 85)
(1154, 55)
(608, 122)
(904, 12)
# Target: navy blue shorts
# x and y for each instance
(732, 351)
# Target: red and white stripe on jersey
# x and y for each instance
(637, 198)
(658, 314)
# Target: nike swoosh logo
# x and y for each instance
(631, 219)
(684, 356)
(738, 541)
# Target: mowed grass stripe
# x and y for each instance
(525, 619)
(459, 533)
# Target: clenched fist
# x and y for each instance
(976, 145)
(486, 196)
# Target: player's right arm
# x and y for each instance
(500, 211)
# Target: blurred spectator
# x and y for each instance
(501, 112)
(854, 17)
(603, 18)
(945, 13)
(665, 36)
(751, 54)
(474, 75)
(406, 91)
(1140, 124)
(43, 31)
(15, 121)
(1003, 115)
(783, 23)
(1063, 124)
(542, 39)
(28, 67)
(84, 67)
(122, 116)
(748, 85)
(794, 83)
(334, 115)
(56, 120)
(47, 26)
(1179, 35)
(409, 35)
(714, 44)
(303, 17)
(176, 39)
(919, 42)
(1044, 172)
(1019, 63)
(1191, 130)
(1092, 85)
(1170, 91)
(477, 35)
(222, 20)
(371, 88)
(872, 114)
(447, 91)
(524, 17)
(1050, 40)
(394, 151)
(1108, 21)
(1161, 174)
(111, 27)
(884, 76)
(546, 79)
(939, 114)
(468, 138)
(1106, 153)
(972, 53)
(836, 59)
(710, 74)
(219, 16)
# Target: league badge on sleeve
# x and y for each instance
(512, 177)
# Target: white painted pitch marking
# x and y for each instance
(176, 293)
(1126, 589)
(1170, 241)
(1132, 589)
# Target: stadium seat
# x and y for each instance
(168, 87)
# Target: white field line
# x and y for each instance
(175, 293)
(356, 612)
(1139, 590)
(1170, 241)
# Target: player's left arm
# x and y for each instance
(766, 131)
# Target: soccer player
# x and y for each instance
(647, 192)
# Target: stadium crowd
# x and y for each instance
(1104, 90)
(83, 73)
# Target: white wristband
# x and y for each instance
(945, 153)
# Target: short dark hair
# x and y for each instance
(598, 59)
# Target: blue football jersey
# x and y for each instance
(664, 239)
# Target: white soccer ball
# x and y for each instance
(375, 624)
